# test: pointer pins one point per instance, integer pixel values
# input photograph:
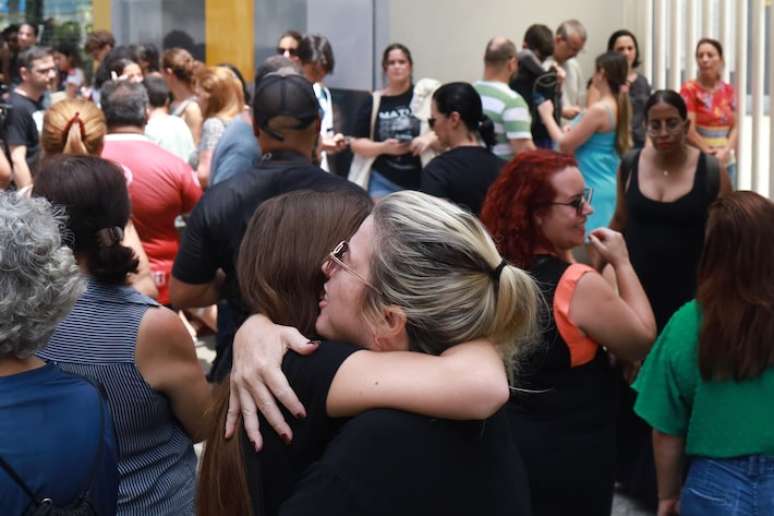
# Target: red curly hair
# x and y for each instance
(523, 189)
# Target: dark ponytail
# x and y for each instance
(486, 129)
(93, 193)
(463, 98)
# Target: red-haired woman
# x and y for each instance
(708, 384)
(563, 412)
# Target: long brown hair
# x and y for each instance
(736, 288)
(280, 275)
(225, 97)
(616, 71)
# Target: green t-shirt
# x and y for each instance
(718, 419)
(510, 115)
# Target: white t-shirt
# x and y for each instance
(171, 133)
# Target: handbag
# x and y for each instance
(360, 170)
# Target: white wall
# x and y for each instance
(447, 37)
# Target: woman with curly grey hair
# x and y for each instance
(39, 283)
(139, 350)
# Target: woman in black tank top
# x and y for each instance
(664, 193)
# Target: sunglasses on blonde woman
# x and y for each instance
(336, 259)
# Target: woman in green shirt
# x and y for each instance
(707, 386)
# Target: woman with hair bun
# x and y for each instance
(465, 170)
(178, 67)
(77, 127)
(138, 350)
(600, 136)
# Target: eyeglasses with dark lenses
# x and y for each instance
(579, 201)
(336, 257)
(291, 51)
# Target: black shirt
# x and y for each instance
(21, 127)
(523, 83)
(462, 175)
(272, 472)
(216, 225)
(394, 120)
(388, 462)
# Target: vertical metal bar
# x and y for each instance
(659, 61)
(647, 47)
(706, 22)
(743, 170)
(691, 15)
(674, 46)
(725, 33)
(757, 64)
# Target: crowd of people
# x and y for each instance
(525, 293)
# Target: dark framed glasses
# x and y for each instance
(336, 259)
(579, 201)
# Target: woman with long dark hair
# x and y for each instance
(563, 412)
(600, 137)
(389, 138)
(625, 42)
(465, 170)
(708, 384)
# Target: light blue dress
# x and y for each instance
(598, 162)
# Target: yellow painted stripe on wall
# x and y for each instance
(102, 16)
(229, 34)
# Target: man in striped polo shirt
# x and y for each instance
(505, 107)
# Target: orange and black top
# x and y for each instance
(566, 370)
(562, 408)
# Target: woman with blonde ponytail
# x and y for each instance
(420, 278)
(599, 136)
(77, 127)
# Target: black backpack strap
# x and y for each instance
(101, 445)
(627, 165)
(16, 478)
(713, 176)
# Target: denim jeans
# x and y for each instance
(742, 486)
(379, 186)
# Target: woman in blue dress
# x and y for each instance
(599, 136)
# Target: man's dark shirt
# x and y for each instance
(216, 225)
(388, 462)
(523, 83)
(20, 128)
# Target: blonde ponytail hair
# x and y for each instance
(73, 126)
(440, 266)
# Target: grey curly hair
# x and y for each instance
(39, 279)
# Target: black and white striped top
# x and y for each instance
(157, 461)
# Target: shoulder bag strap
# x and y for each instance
(627, 165)
(377, 99)
(16, 478)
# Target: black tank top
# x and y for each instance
(665, 241)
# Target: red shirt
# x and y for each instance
(161, 187)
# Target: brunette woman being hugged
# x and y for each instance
(600, 137)
(708, 384)
(387, 134)
(139, 351)
(563, 410)
(712, 106)
(384, 291)
(664, 192)
(465, 170)
(177, 68)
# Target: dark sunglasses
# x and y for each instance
(579, 202)
(291, 51)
